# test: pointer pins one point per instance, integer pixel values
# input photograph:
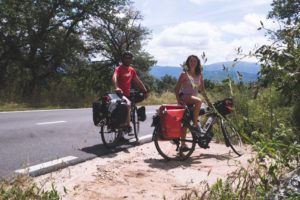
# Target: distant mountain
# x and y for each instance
(213, 71)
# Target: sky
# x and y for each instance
(180, 28)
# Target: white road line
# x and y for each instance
(151, 112)
(25, 111)
(45, 165)
(141, 138)
(45, 123)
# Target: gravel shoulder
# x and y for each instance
(141, 173)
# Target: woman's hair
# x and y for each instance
(197, 69)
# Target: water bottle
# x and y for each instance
(208, 122)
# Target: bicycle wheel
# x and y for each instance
(135, 122)
(232, 137)
(110, 138)
(169, 149)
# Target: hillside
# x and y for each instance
(213, 71)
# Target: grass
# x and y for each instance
(153, 99)
(22, 107)
(23, 187)
(158, 99)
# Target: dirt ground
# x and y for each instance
(141, 173)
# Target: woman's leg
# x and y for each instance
(189, 100)
(183, 135)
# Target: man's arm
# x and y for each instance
(115, 81)
(140, 84)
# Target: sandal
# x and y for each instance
(184, 148)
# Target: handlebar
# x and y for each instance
(137, 96)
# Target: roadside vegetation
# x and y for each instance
(267, 114)
(22, 187)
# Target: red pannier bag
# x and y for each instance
(170, 117)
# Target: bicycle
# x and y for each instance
(169, 148)
(111, 136)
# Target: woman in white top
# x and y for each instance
(189, 82)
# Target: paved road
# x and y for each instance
(30, 138)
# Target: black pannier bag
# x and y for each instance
(117, 111)
(141, 112)
(225, 106)
(100, 109)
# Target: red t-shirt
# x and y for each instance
(124, 77)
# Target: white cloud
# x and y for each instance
(173, 45)
(248, 26)
(216, 27)
(208, 1)
(192, 34)
(260, 2)
(236, 2)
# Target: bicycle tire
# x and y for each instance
(136, 123)
(110, 138)
(232, 137)
(169, 148)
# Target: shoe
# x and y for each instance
(198, 130)
(184, 148)
(123, 140)
(129, 130)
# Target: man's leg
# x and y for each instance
(129, 107)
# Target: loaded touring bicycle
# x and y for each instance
(110, 114)
(170, 118)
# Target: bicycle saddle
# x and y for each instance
(190, 106)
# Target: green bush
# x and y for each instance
(22, 187)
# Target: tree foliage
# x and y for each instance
(48, 43)
(280, 61)
(114, 34)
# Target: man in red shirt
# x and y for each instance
(122, 81)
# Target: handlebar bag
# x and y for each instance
(170, 116)
(137, 96)
(225, 106)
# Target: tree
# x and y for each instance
(116, 33)
(113, 34)
(167, 83)
(40, 40)
(281, 61)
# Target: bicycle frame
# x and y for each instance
(213, 113)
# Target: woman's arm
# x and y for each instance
(182, 77)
